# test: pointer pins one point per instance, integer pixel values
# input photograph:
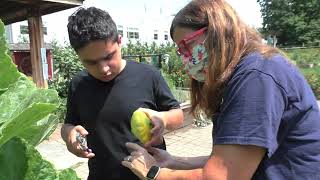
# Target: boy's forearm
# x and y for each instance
(173, 118)
(65, 129)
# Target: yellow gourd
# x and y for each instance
(141, 126)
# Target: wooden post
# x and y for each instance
(36, 43)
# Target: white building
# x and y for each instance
(149, 26)
(145, 30)
(143, 20)
(19, 32)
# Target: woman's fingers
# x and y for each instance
(153, 151)
(127, 164)
(136, 153)
(134, 147)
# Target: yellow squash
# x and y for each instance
(141, 126)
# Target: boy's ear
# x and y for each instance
(119, 39)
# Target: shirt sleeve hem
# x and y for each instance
(245, 141)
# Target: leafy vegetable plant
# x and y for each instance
(25, 120)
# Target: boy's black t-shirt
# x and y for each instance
(104, 109)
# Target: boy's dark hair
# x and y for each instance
(91, 24)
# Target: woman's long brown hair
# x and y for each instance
(228, 41)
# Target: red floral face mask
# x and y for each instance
(195, 60)
(183, 46)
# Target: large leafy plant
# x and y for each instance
(25, 120)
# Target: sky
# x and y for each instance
(131, 11)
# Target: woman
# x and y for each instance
(266, 119)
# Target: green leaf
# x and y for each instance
(41, 130)
(20, 161)
(8, 71)
(23, 108)
(13, 160)
(16, 99)
(68, 174)
(23, 121)
(18, 117)
(37, 167)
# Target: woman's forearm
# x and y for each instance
(187, 163)
(169, 174)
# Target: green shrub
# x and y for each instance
(65, 65)
(313, 77)
(305, 57)
(169, 81)
(308, 60)
(314, 81)
(173, 68)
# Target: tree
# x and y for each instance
(293, 22)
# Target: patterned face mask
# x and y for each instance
(196, 64)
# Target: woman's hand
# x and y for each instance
(139, 161)
(162, 157)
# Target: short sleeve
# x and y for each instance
(72, 116)
(251, 112)
(163, 96)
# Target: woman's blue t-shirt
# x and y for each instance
(268, 103)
